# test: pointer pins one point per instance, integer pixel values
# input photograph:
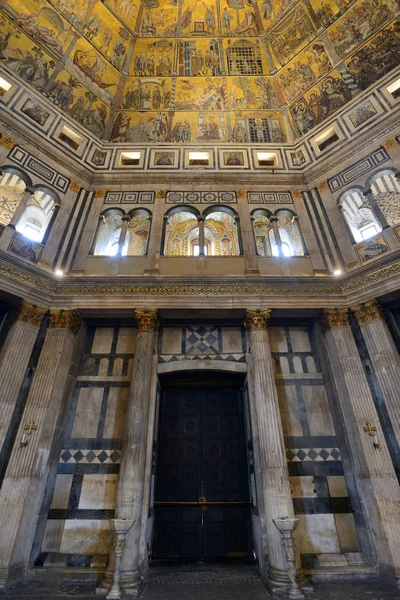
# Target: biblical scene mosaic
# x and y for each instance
(193, 70)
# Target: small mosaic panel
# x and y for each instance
(359, 168)
(201, 197)
(269, 198)
(71, 456)
(312, 454)
(129, 198)
(43, 171)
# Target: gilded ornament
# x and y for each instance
(297, 194)
(323, 186)
(241, 194)
(74, 186)
(30, 313)
(65, 319)
(146, 319)
(100, 193)
(257, 319)
(368, 311)
(335, 317)
(7, 142)
(160, 193)
(390, 144)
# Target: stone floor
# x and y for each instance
(197, 582)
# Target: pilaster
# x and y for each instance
(89, 231)
(384, 357)
(14, 360)
(27, 472)
(247, 234)
(156, 231)
(371, 463)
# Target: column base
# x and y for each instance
(279, 582)
(131, 582)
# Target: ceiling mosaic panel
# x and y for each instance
(209, 72)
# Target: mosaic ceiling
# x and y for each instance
(199, 71)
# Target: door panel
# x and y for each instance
(202, 453)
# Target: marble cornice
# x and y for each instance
(31, 282)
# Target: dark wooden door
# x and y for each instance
(202, 507)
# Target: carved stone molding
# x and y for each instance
(30, 313)
(74, 186)
(7, 142)
(100, 193)
(367, 312)
(335, 317)
(65, 319)
(146, 319)
(257, 319)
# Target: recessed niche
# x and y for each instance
(199, 159)
(326, 139)
(130, 159)
(69, 137)
(4, 86)
(394, 89)
(267, 159)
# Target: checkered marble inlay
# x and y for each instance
(204, 339)
(312, 454)
(111, 457)
(167, 358)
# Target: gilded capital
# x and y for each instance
(7, 142)
(335, 317)
(297, 194)
(257, 319)
(147, 319)
(390, 143)
(323, 186)
(100, 193)
(74, 186)
(242, 194)
(30, 313)
(160, 193)
(368, 311)
(65, 319)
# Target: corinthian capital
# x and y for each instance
(147, 320)
(368, 311)
(30, 313)
(335, 317)
(65, 319)
(257, 319)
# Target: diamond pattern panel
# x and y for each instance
(313, 454)
(90, 457)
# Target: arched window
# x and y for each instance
(138, 233)
(12, 187)
(261, 228)
(181, 230)
(108, 233)
(221, 231)
(37, 215)
(361, 220)
(386, 189)
(121, 234)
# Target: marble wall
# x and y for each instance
(320, 496)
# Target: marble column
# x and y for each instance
(9, 231)
(156, 232)
(376, 208)
(275, 482)
(247, 234)
(26, 476)
(275, 228)
(89, 231)
(14, 359)
(202, 240)
(384, 357)
(130, 494)
(372, 466)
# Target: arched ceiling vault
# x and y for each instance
(199, 71)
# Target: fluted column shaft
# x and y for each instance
(26, 476)
(14, 359)
(372, 467)
(384, 357)
(277, 496)
(132, 471)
